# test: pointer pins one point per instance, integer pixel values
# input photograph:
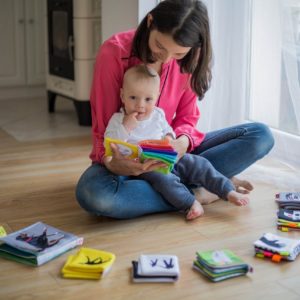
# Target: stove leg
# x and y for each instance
(83, 109)
(51, 101)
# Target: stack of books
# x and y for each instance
(276, 247)
(219, 265)
(37, 244)
(155, 268)
(88, 264)
(289, 211)
(160, 150)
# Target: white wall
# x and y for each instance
(145, 6)
(118, 16)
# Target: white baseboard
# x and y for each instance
(22, 92)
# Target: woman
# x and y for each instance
(174, 39)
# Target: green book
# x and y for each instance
(220, 264)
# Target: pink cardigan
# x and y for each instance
(177, 99)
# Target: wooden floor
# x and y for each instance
(37, 182)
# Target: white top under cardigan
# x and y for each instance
(155, 127)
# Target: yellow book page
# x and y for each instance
(126, 149)
(2, 231)
(91, 260)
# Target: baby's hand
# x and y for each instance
(130, 121)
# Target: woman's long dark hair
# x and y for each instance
(187, 22)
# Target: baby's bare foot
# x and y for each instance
(195, 211)
(237, 198)
(242, 186)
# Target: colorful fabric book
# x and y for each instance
(136, 277)
(160, 150)
(37, 244)
(67, 273)
(288, 200)
(288, 219)
(126, 149)
(88, 264)
(276, 247)
(219, 265)
(155, 268)
(2, 231)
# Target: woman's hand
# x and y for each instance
(180, 145)
(120, 165)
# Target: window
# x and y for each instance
(274, 71)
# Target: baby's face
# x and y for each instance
(140, 97)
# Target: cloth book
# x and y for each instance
(288, 200)
(88, 263)
(37, 244)
(2, 231)
(156, 268)
(218, 265)
(276, 247)
(288, 219)
(160, 150)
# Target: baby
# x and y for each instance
(140, 119)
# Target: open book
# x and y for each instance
(160, 150)
(37, 244)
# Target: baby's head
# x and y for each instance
(140, 91)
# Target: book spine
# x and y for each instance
(285, 196)
(296, 252)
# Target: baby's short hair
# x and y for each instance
(141, 72)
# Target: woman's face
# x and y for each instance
(164, 48)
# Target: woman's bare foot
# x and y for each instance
(195, 211)
(237, 198)
(204, 196)
(242, 186)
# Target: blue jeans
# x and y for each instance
(230, 151)
(191, 170)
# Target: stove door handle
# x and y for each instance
(70, 47)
